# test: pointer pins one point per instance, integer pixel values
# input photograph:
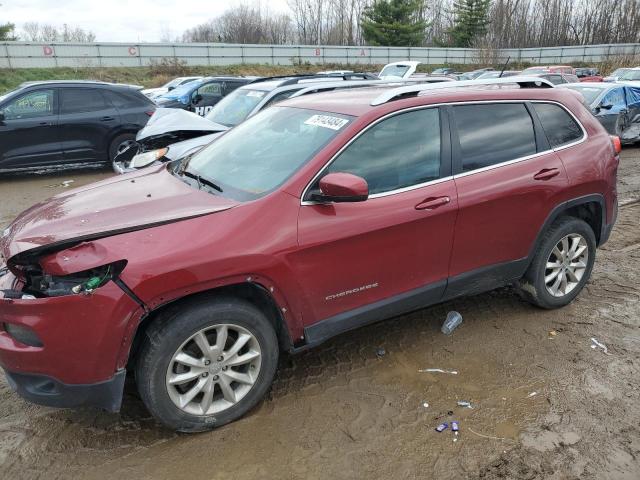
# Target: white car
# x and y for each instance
(153, 93)
(398, 70)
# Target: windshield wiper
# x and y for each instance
(202, 180)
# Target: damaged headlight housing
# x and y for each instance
(41, 284)
(147, 158)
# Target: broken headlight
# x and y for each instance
(40, 284)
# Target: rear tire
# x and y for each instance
(227, 383)
(562, 265)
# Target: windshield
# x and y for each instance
(489, 75)
(235, 107)
(173, 83)
(619, 71)
(630, 75)
(256, 157)
(589, 93)
(183, 89)
(394, 70)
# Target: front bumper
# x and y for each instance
(48, 391)
(85, 338)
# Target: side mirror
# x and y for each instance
(1, 116)
(171, 88)
(197, 98)
(605, 106)
(342, 187)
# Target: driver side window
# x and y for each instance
(38, 103)
(209, 90)
(401, 151)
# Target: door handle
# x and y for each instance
(546, 174)
(432, 203)
(106, 119)
(45, 124)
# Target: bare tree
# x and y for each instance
(45, 32)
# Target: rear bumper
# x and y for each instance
(48, 391)
(607, 228)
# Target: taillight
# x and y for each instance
(617, 144)
(150, 112)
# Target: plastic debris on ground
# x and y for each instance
(453, 320)
(64, 184)
(425, 405)
(438, 370)
(463, 403)
(381, 352)
(596, 344)
(532, 394)
(552, 334)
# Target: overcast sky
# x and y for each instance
(122, 20)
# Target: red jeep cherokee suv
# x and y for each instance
(316, 216)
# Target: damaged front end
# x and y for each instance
(54, 310)
(176, 129)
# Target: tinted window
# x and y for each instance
(32, 104)
(557, 124)
(126, 99)
(401, 151)
(77, 100)
(210, 89)
(278, 97)
(491, 134)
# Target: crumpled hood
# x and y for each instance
(172, 120)
(179, 150)
(134, 201)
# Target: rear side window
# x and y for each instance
(78, 100)
(398, 152)
(126, 99)
(278, 97)
(559, 126)
(493, 133)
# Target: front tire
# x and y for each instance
(562, 265)
(206, 363)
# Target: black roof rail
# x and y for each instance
(296, 78)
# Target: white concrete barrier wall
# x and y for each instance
(79, 55)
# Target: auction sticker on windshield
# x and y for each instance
(327, 121)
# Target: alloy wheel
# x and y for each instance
(566, 265)
(213, 369)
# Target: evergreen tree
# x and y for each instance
(394, 23)
(7, 31)
(471, 21)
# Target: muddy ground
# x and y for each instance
(546, 405)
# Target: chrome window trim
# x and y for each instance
(451, 177)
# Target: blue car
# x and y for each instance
(201, 95)
(615, 105)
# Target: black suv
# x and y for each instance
(65, 124)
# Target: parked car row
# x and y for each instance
(317, 215)
(47, 125)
